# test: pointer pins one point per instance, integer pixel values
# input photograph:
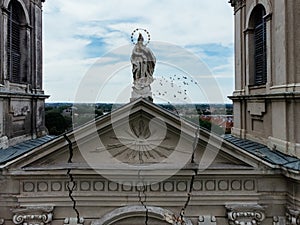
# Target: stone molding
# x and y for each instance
(96, 185)
(207, 220)
(245, 214)
(129, 211)
(33, 215)
(293, 216)
(73, 221)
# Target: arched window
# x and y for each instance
(15, 41)
(260, 45)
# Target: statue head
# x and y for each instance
(140, 38)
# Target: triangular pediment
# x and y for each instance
(137, 134)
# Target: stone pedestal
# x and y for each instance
(144, 92)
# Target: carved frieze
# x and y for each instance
(245, 214)
(35, 215)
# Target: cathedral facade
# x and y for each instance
(142, 164)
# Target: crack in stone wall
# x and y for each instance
(189, 194)
(71, 183)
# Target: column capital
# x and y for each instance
(33, 215)
(249, 214)
(293, 216)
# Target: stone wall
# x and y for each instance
(215, 199)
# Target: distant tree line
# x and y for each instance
(62, 117)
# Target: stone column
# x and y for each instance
(245, 214)
(40, 215)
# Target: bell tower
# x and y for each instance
(21, 94)
(267, 73)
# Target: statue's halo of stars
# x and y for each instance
(141, 30)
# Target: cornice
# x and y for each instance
(284, 95)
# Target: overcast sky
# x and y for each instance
(90, 40)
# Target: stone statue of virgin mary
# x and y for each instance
(143, 64)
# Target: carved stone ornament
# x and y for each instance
(20, 109)
(207, 220)
(33, 215)
(1, 221)
(245, 214)
(74, 221)
(237, 4)
(139, 143)
(293, 216)
(279, 220)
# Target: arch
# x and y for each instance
(256, 35)
(265, 3)
(136, 211)
(17, 41)
(27, 18)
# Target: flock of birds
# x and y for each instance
(178, 85)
